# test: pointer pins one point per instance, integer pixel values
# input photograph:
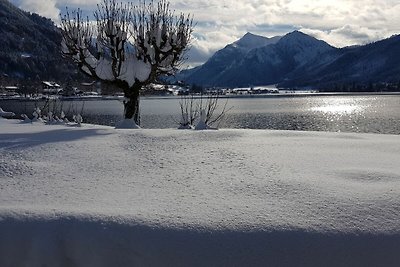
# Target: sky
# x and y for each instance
(220, 22)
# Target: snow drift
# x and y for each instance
(83, 241)
(97, 196)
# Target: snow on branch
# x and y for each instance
(77, 35)
(113, 22)
(161, 37)
(133, 44)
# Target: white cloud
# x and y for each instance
(78, 2)
(340, 22)
(348, 35)
(46, 8)
(206, 43)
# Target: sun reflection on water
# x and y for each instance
(339, 107)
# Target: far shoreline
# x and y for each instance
(282, 95)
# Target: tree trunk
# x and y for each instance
(132, 105)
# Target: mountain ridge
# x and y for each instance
(250, 41)
(263, 64)
(370, 63)
(298, 60)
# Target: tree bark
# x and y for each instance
(132, 110)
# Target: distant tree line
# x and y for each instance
(362, 87)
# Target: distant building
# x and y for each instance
(51, 88)
(9, 90)
(94, 86)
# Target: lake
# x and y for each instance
(336, 113)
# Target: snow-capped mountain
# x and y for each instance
(227, 57)
(251, 41)
(371, 63)
(301, 47)
(271, 64)
(298, 60)
(253, 60)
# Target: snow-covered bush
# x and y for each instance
(6, 114)
(25, 119)
(50, 118)
(202, 124)
(211, 114)
(63, 118)
(78, 119)
(201, 113)
(37, 115)
(55, 111)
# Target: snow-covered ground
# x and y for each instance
(97, 196)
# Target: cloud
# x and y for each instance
(345, 36)
(219, 22)
(206, 43)
(46, 8)
(340, 23)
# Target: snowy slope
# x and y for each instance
(251, 41)
(272, 63)
(254, 61)
(96, 196)
(299, 60)
(302, 47)
(210, 72)
(375, 62)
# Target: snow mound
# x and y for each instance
(6, 114)
(127, 124)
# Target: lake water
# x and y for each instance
(337, 113)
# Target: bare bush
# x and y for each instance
(204, 112)
(210, 107)
(189, 112)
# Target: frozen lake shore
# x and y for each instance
(96, 196)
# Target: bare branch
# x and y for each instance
(212, 104)
(189, 111)
(77, 35)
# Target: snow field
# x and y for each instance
(96, 196)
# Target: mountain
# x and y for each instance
(229, 56)
(30, 46)
(371, 63)
(270, 64)
(249, 61)
(298, 60)
(250, 41)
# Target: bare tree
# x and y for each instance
(134, 45)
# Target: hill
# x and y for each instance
(30, 46)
